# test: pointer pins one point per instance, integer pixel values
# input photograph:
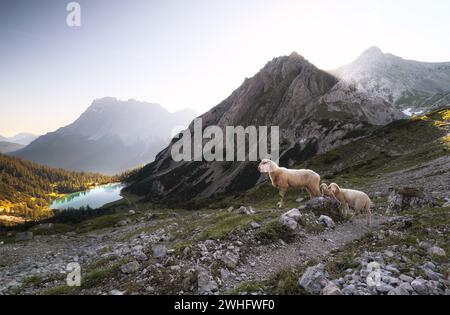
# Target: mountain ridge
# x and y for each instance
(111, 136)
(313, 109)
(407, 84)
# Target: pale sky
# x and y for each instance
(187, 53)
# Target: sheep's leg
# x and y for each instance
(282, 191)
(309, 192)
(316, 191)
(369, 215)
(345, 211)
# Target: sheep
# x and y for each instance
(325, 191)
(284, 178)
(356, 199)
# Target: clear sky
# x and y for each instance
(187, 53)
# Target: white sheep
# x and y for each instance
(358, 200)
(284, 178)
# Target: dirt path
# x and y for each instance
(273, 258)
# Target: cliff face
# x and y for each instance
(313, 110)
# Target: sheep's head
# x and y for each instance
(334, 188)
(267, 166)
(325, 190)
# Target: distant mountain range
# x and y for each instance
(23, 138)
(411, 86)
(111, 136)
(314, 110)
(7, 147)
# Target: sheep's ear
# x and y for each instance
(335, 187)
(272, 167)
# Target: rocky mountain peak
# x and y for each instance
(373, 51)
(311, 109)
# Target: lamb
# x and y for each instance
(284, 178)
(356, 199)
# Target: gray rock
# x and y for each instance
(186, 250)
(123, 222)
(419, 285)
(392, 269)
(407, 287)
(159, 250)
(406, 278)
(255, 225)
(331, 289)
(293, 214)
(225, 274)
(425, 245)
(131, 267)
(433, 275)
(314, 279)
(408, 198)
(206, 284)
(24, 236)
(245, 210)
(289, 222)
(349, 290)
(327, 221)
(140, 256)
(230, 259)
(384, 288)
(436, 251)
(429, 265)
(116, 292)
(210, 244)
(398, 291)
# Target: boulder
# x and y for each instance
(255, 225)
(398, 291)
(24, 236)
(159, 250)
(331, 289)
(326, 205)
(123, 223)
(314, 279)
(408, 198)
(206, 285)
(436, 251)
(289, 222)
(140, 256)
(230, 259)
(245, 210)
(419, 285)
(327, 221)
(131, 267)
(293, 214)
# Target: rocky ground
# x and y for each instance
(242, 250)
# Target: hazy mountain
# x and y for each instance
(109, 137)
(7, 147)
(314, 111)
(408, 84)
(23, 138)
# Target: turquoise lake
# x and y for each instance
(94, 198)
